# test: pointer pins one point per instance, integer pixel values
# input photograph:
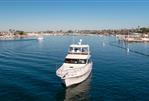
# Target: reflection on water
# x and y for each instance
(78, 92)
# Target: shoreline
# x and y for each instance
(35, 36)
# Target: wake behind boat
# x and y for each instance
(77, 66)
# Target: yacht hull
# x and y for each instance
(76, 80)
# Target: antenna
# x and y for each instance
(80, 42)
(72, 39)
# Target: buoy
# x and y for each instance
(128, 50)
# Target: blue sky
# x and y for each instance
(39, 15)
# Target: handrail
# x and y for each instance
(76, 68)
(72, 72)
(82, 53)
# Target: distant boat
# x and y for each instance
(40, 38)
(145, 39)
(77, 66)
(100, 35)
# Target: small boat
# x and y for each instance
(77, 65)
(40, 38)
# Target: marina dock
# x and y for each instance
(134, 38)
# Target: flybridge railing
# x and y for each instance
(82, 53)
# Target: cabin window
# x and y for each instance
(89, 61)
(71, 49)
(76, 61)
(85, 49)
(81, 61)
(77, 49)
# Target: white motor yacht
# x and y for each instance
(77, 65)
(40, 38)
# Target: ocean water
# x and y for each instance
(27, 70)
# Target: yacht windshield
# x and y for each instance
(74, 49)
(78, 49)
(76, 61)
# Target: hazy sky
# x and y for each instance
(38, 15)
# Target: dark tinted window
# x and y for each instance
(76, 61)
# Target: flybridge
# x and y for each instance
(79, 49)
